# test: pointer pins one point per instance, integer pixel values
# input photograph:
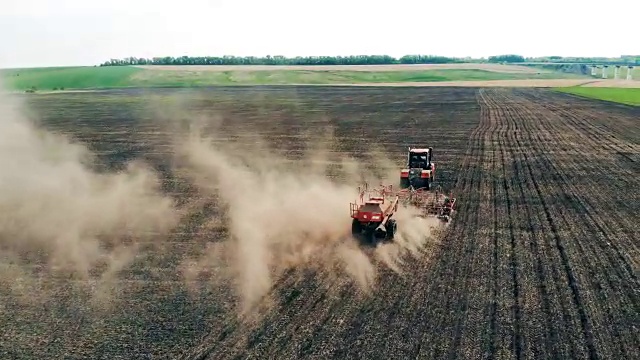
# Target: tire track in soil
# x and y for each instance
(559, 307)
(622, 119)
(536, 266)
(402, 325)
(557, 242)
(530, 267)
(598, 273)
(520, 260)
(508, 116)
(464, 322)
(595, 223)
(474, 173)
(587, 206)
(516, 337)
(502, 326)
(593, 272)
(579, 299)
(389, 313)
(490, 234)
(570, 271)
(448, 284)
(464, 326)
(609, 199)
(590, 128)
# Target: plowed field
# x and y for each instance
(541, 261)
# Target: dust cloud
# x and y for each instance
(282, 215)
(59, 217)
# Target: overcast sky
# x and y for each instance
(89, 32)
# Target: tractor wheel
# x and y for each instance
(404, 183)
(392, 227)
(369, 235)
(356, 227)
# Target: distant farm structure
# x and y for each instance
(617, 71)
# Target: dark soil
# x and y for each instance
(541, 262)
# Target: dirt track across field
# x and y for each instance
(531, 83)
(401, 67)
(540, 262)
(614, 83)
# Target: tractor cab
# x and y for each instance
(420, 170)
(420, 159)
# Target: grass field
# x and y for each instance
(75, 78)
(68, 77)
(629, 96)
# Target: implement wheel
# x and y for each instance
(356, 227)
(391, 227)
(404, 183)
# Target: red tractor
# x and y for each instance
(416, 182)
(372, 214)
(420, 170)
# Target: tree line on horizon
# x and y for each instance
(306, 60)
(358, 60)
(282, 60)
